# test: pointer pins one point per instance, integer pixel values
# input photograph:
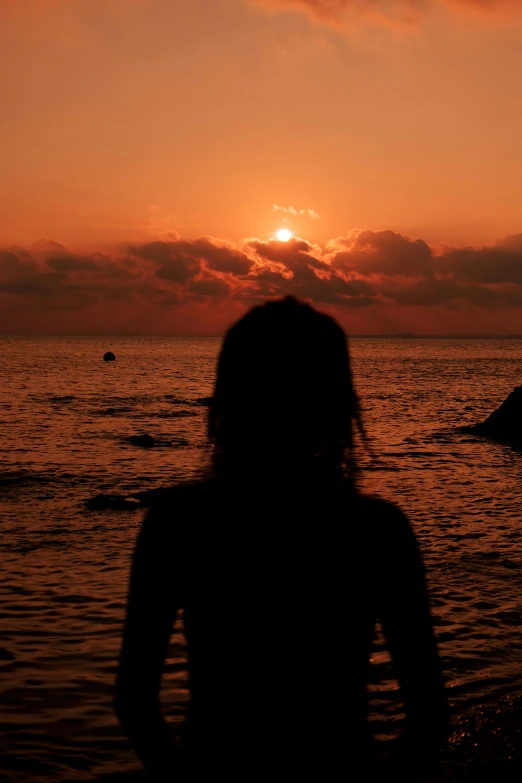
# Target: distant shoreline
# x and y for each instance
(400, 336)
(438, 336)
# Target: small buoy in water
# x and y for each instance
(109, 356)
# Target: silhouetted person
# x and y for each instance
(281, 569)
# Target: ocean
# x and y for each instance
(68, 420)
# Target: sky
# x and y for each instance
(152, 149)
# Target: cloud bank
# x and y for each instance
(398, 11)
(375, 271)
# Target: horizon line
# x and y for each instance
(351, 336)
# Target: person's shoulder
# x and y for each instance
(382, 516)
(174, 503)
(379, 507)
(187, 491)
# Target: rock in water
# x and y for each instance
(203, 401)
(146, 441)
(114, 502)
(103, 502)
(147, 497)
(109, 357)
(505, 424)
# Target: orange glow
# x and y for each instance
(145, 143)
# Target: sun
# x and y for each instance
(284, 234)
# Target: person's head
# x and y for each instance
(283, 398)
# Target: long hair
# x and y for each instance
(284, 402)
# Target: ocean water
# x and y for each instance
(66, 418)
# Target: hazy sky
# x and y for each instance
(385, 134)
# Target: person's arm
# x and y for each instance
(151, 611)
(407, 626)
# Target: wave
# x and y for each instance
(146, 441)
(175, 414)
(199, 401)
(15, 478)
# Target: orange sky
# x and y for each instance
(131, 122)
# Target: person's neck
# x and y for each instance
(283, 474)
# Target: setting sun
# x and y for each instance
(284, 234)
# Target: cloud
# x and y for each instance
(408, 272)
(173, 263)
(365, 270)
(302, 270)
(383, 252)
(181, 260)
(499, 264)
(337, 12)
(513, 242)
(210, 286)
(21, 274)
(433, 292)
(71, 263)
(221, 258)
(311, 213)
(39, 279)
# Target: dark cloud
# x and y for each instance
(383, 252)
(174, 263)
(499, 264)
(219, 257)
(36, 286)
(409, 272)
(71, 263)
(434, 292)
(392, 11)
(169, 300)
(21, 274)
(66, 281)
(293, 251)
(12, 262)
(511, 242)
(181, 260)
(210, 287)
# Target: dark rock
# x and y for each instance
(109, 357)
(145, 441)
(505, 424)
(104, 502)
(147, 497)
(203, 401)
